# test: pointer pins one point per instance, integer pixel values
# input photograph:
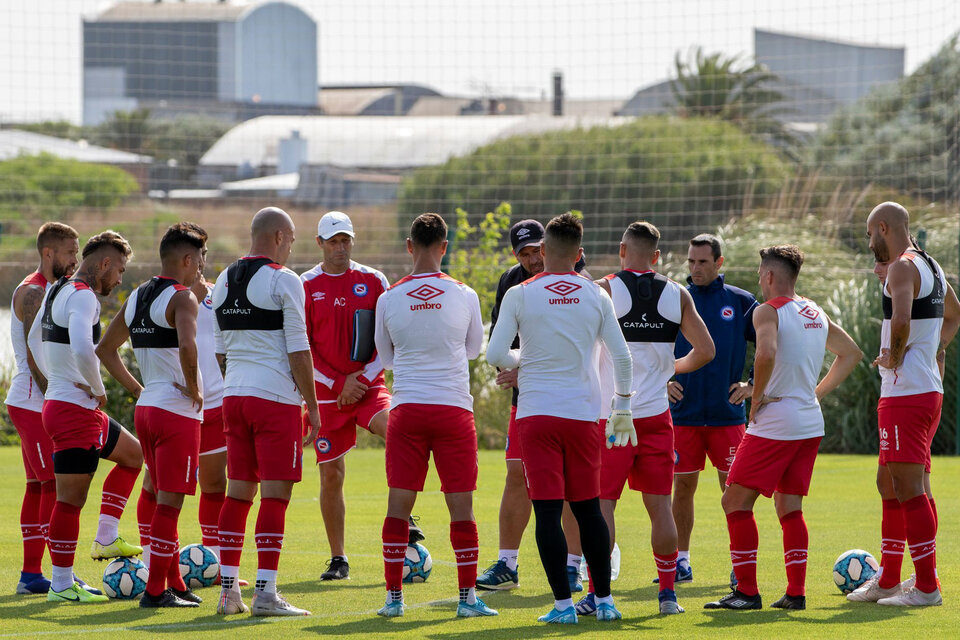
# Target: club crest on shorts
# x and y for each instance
(323, 445)
(359, 289)
(727, 313)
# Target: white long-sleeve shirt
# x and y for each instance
(561, 319)
(428, 326)
(77, 308)
(206, 353)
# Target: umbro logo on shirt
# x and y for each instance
(318, 296)
(563, 289)
(425, 293)
(812, 315)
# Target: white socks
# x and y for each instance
(266, 580)
(61, 578)
(573, 560)
(511, 557)
(108, 529)
(228, 578)
(604, 600)
(683, 556)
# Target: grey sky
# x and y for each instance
(606, 48)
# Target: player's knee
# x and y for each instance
(515, 478)
(332, 475)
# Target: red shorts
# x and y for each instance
(264, 439)
(414, 430)
(766, 465)
(514, 450)
(907, 426)
(648, 466)
(212, 437)
(694, 444)
(338, 427)
(36, 448)
(71, 426)
(171, 448)
(561, 458)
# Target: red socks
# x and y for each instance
(744, 540)
(31, 529)
(893, 541)
(146, 506)
(396, 535)
(269, 532)
(48, 498)
(795, 542)
(232, 525)
(933, 507)
(64, 531)
(921, 534)
(666, 569)
(466, 550)
(163, 547)
(116, 489)
(209, 516)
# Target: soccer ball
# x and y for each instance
(199, 566)
(853, 568)
(125, 578)
(417, 563)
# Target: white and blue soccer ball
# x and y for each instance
(417, 563)
(125, 578)
(853, 568)
(199, 566)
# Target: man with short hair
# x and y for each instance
(428, 328)
(562, 318)
(58, 247)
(921, 315)
(651, 311)
(708, 417)
(62, 340)
(262, 337)
(777, 454)
(526, 236)
(341, 296)
(160, 319)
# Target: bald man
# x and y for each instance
(261, 337)
(920, 318)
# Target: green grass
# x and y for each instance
(842, 513)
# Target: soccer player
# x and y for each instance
(561, 317)
(261, 334)
(709, 418)
(428, 327)
(62, 340)
(350, 393)
(651, 310)
(160, 319)
(920, 318)
(58, 247)
(526, 236)
(777, 454)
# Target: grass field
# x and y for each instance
(842, 513)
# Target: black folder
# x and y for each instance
(363, 344)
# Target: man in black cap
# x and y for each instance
(526, 237)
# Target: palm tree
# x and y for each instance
(731, 89)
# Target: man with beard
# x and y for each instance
(62, 340)
(921, 315)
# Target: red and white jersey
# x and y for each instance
(23, 392)
(801, 339)
(160, 368)
(207, 353)
(428, 327)
(69, 363)
(919, 372)
(561, 319)
(331, 302)
(257, 363)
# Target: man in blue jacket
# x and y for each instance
(707, 405)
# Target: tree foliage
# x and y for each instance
(48, 185)
(669, 170)
(905, 135)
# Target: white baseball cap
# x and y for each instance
(334, 222)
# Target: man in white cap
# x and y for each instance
(341, 296)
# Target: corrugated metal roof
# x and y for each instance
(173, 12)
(379, 142)
(14, 142)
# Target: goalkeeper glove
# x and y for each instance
(620, 429)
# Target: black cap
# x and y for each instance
(525, 233)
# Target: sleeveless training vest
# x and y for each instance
(237, 313)
(52, 332)
(643, 323)
(144, 332)
(927, 307)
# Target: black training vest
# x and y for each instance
(144, 332)
(925, 308)
(51, 331)
(236, 312)
(643, 323)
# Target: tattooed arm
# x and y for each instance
(26, 304)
